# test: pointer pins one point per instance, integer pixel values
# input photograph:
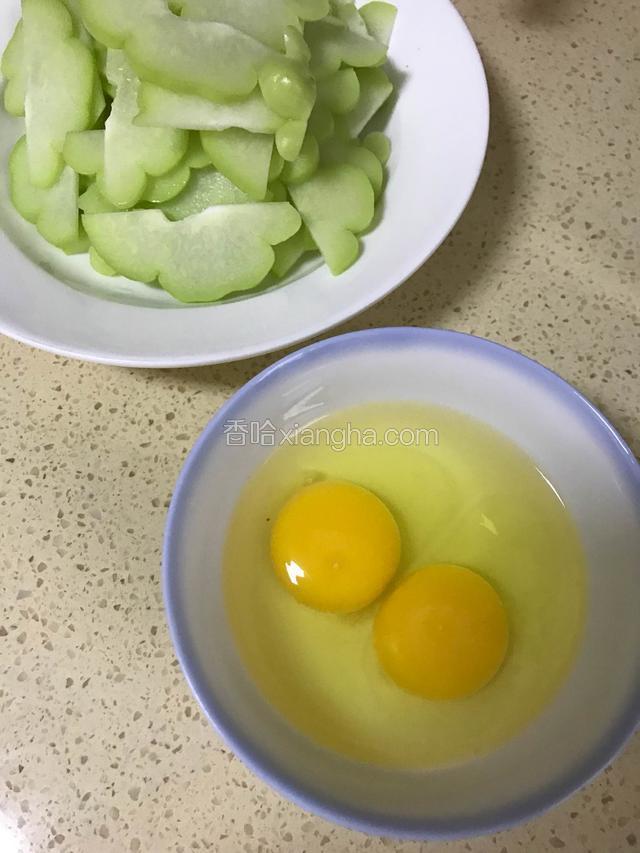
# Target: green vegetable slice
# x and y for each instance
(99, 264)
(333, 45)
(337, 151)
(206, 188)
(79, 29)
(321, 122)
(291, 251)
(332, 225)
(295, 47)
(264, 20)
(160, 107)
(204, 58)
(366, 160)
(78, 246)
(347, 13)
(340, 91)
(311, 10)
(14, 71)
(379, 144)
(132, 153)
(375, 89)
(92, 201)
(277, 192)
(289, 139)
(287, 87)
(111, 22)
(196, 157)
(305, 165)
(202, 258)
(60, 73)
(245, 158)
(379, 19)
(198, 57)
(98, 102)
(84, 151)
(54, 211)
(276, 166)
(167, 186)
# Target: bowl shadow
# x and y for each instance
(542, 13)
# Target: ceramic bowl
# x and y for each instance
(438, 127)
(572, 444)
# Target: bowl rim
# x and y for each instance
(295, 790)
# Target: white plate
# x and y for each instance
(439, 130)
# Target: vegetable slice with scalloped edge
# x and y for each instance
(338, 151)
(340, 91)
(197, 57)
(291, 251)
(346, 12)
(204, 58)
(99, 264)
(276, 166)
(84, 151)
(161, 107)
(375, 90)
(14, 71)
(206, 188)
(132, 153)
(92, 201)
(379, 19)
(336, 204)
(366, 160)
(303, 167)
(165, 187)
(333, 44)
(203, 258)
(295, 47)
(196, 157)
(111, 22)
(287, 87)
(245, 158)
(79, 245)
(379, 144)
(54, 211)
(264, 20)
(60, 74)
(311, 10)
(321, 122)
(290, 138)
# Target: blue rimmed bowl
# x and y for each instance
(598, 706)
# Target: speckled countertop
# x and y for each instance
(101, 745)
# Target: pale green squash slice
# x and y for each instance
(203, 258)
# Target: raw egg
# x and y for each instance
(474, 499)
(442, 633)
(335, 546)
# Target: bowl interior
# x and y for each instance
(571, 444)
(438, 127)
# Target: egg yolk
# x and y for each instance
(335, 546)
(442, 633)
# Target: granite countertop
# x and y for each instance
(102, 746)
